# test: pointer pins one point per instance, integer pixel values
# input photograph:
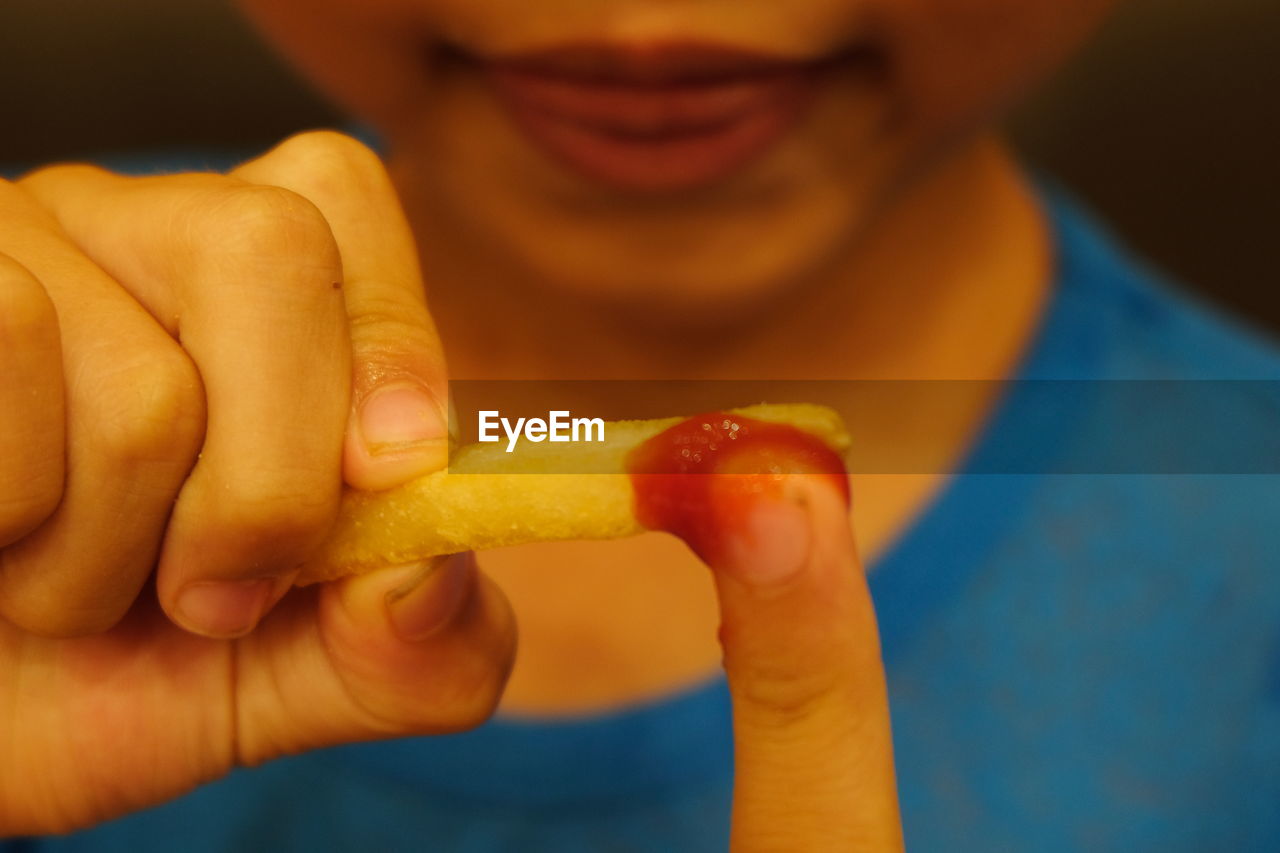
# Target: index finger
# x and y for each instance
(398, 427)
(813, 747)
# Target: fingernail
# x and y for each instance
(430, 598)
(770, 541)
(223, 609)
(399, 416)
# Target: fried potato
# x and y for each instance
(488, 497)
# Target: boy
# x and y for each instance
(619, 191)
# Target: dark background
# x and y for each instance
(1168, 123)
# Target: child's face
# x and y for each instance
(744, 194)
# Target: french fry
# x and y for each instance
(489, 498)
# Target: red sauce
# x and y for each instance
(751, 459)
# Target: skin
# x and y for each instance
(204, 362)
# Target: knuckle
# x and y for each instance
(30, 472)
(480, 708)
(477, 688)
(330, 162)
(391, 330)
(259, 223)
(392, 312)
(392, 336)
(150, 408)
(281, 511)
(475, 697)
(30, 500)
(43, 612)
(28, 320)
(785, 697)
(57, 175)
(25, 220)
(26, 311)
(86, 622)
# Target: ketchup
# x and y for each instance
(750, 460)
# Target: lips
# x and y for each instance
(659, 118)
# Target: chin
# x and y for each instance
(721, 271)
(654, 298)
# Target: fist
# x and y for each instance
(193, 365)
(192, 368)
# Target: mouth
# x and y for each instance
(655, 118)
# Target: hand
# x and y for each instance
(192, 366)
(813, 750)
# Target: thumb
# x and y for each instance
(398, 427)
(422, 649)
(813, 751)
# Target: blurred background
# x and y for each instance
(1168, 124)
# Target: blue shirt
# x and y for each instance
(1083, 650)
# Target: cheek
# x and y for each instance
(956, 62)
(365, 55)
